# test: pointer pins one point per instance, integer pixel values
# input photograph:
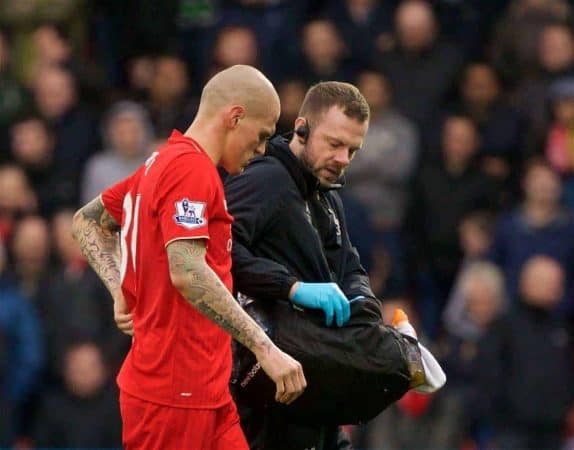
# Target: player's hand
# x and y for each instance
(325, 296)
(122, 316)
(286, 372)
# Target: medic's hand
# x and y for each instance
(325, 296)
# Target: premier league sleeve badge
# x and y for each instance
(190, 214)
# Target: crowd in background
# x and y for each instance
(461, 201)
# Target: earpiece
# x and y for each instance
(303, 131)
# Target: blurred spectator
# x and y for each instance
(128, 136)
(32, 144)
(13, 98)
(74, 291)
(21, 353)
(31, 254)
(17, 198)
(381, 172)
(500, 126)
(276, 25)
(559, 151)
(476, 298)
(51, 46)
(469, 23)
(32, 147)
(514, 48)
(475, 235)
(291, 94)
(140, 74)
(422, 68)
(556, 60)
(444, 193)
(556, 50)
(325, 55)
(85, 413)
(538, 226)
(525, 364)
(22, 18)
(479, 296)
(234, 45)
(362, 24)
(74, 128)
(169, 106)
(478, 301)
(122, 31)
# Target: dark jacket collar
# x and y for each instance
(306, 182)
(532, 310)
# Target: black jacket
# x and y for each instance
(287, 229)
(67, 421)
(525, 370)
(440, 201)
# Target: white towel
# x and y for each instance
(435, 377)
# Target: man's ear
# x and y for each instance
(234, 115)
(299, 122)
(301, 129)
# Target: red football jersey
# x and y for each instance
(178, 356)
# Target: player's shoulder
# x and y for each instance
(183, 159)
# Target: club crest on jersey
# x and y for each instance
(189, 214)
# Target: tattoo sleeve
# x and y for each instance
(97, 234)
(199, 284)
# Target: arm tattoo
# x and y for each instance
(97, 234)
(204, 290)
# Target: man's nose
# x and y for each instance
(342, 157)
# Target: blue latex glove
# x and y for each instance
(325, 296)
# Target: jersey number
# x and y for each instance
(131, 214)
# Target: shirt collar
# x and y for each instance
(177, 137)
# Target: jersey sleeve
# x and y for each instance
(185, 197)
(113, 198)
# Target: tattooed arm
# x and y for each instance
(97, 234)
(203, 289)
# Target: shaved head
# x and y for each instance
(237, 114)
(239, 85)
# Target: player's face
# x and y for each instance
(332, 144)
(249, 140)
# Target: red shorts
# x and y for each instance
(151, 426)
